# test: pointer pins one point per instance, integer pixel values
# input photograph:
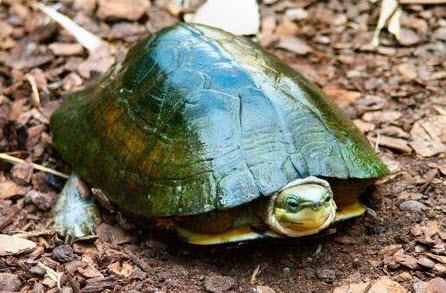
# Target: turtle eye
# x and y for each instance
(292, 202)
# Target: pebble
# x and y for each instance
(286, 271)
(326, 275)
(217, 284)
(412, 205)
(9, 282)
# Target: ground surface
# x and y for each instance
(395, 93)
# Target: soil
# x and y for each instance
(395, 93)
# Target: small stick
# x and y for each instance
(14, 160)
(36, 233)
(254, 275)
(378, 140)
(35, 97)
(84, 37)
(440, 110)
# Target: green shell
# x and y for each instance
(196, 119)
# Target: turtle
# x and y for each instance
(206, 133)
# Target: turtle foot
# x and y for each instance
(75, 213)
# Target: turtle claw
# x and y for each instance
(75, 213)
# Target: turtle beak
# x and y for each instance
(312, 218)
(302, 208)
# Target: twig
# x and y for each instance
(55, 276)
(35, 97)
(29, 234)
(318, 250)
(440, 110)
(378, 140)
(14, 160)
(253, 279)
(84, 37)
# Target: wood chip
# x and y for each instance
(295, 45)
(123, 270)
(9, 189)
(342, 97)
(381, 116)
(398, 144)
(353, 288)
(406, 260)
(10, 245)
(407, 70)
(286, 28)
(428, 136)
(122, 9)
(66, 49)
(364, 126)
(386, 285)
(408, 37)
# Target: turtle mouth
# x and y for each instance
(308, 221)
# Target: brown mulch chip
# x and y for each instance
(429, 136)
(27, 56)
(9, 282)
(9, 189)
(66, 49)
(295, 45)
(122, 9)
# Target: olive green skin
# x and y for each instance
(197, 119)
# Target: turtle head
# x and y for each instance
(303, 207)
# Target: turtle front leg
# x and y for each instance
(75, 213)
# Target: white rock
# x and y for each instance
(234, 16)
(10, 245)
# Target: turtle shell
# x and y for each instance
(196, 119)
